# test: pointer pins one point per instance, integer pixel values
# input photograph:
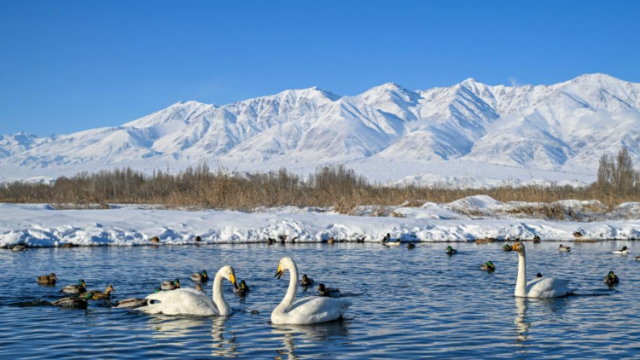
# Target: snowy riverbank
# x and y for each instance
(40, 225)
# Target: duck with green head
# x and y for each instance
(79, 288)
(74, 302)
(242, 288)
(507, 247)
(611, 279)
(451, 251)
(488, 266)
(171, 285)
(201, 276)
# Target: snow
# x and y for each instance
(41, 225)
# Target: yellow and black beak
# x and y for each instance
(515, 246)
(280, 272)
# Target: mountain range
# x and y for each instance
(389, 133)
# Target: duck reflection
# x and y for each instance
(221, 347)
(301, 334)
(521, 320)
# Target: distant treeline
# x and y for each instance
(331, 186)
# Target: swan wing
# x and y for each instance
(314, 310)
(180, 302)
(547, 287)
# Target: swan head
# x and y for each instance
(519, 247)
(228, 273)
(286, 263)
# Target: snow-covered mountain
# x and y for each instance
(555, 132)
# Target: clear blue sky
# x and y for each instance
(72, 65)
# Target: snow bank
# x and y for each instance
(40, 225)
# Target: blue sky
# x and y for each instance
(72, 65)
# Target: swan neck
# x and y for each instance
(521, 282)
(292, 290)
(218, 297)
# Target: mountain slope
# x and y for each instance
(388, 132)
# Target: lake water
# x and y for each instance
(416, 303)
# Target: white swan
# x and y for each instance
(539, 287)
(185, 301)
(309, 310)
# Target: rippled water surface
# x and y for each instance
(406, 303)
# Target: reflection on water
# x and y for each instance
(406, 304)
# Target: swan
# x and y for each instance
(623, 251)
(186, 301)
(540, 287)
(309, 310)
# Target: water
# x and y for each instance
(416, 303)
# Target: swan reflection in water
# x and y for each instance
(521, 319)
(221, 347)
(293, 336)
(175, 327)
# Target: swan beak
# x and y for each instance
(515, 246)
(279, 272)
(232, 278)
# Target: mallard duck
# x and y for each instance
(622, 251)
(271, 241)
(637, 258)
(536, 239)
(99, 294)
(283, 239)
(201, 276)
(611, 279)
(47, 279)
(242, 288)
(73, 302)
(197, 238)
(488, 266)
(451, 251)
(507, 247)
(171, 285)
(331, 241)
(564, 248)
(306, 281)
(134, 303)
(79, 288)
(328, 292)
(411, 246)
(538, 275)
(199, 288)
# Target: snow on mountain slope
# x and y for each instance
(388, 133)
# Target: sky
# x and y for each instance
(67, 66)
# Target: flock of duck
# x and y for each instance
(172, 299)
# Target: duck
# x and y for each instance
(19, 247)
(271, 241)
(199, 287)
(488, 266)
(563, 248)
(611, 279)
(411, 246)
(47, 279)
(134, 303)
(306, 281)
(538, 275)
(201, 276)
(99, 294)
(637, 258)
(170, 285)
(79, 288)
(536, 239)
(507, 247)
(539, 287)
(451, 251)
(185, 301)
(331, 241)
(328, 292)
(73, 302)
(308, 310)
(242, 288)
(386, 238)
(623, 251)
